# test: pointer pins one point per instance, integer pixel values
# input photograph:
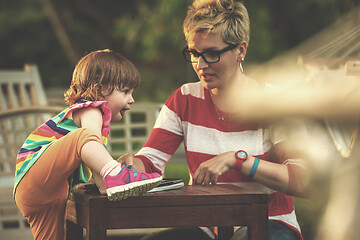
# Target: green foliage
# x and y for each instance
(148, 32)
(177, 170)
(27, 37)
(154, 29)
(279, 25)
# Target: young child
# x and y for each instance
(59, 154)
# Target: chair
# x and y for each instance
(23, 107)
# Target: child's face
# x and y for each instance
(119, 103)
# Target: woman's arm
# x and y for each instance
(272, 175)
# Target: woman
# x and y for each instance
(219, 149)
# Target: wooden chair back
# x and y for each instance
(22, 98)
(23, 107)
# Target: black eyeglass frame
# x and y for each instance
(201, 54)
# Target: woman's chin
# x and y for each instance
(208, 84)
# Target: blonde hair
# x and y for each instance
(99, 69)
(226, 17)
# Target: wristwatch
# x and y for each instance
(240, 156)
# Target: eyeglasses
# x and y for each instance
(208, 56)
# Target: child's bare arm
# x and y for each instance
(90, 118)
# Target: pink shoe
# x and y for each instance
(129, 182)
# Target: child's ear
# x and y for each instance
(105, 90)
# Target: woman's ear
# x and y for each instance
(242, 48)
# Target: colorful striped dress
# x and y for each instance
(60, 125)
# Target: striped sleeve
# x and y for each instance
(164, 139)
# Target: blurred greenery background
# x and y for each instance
(55, 34)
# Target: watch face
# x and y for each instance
(241, 154)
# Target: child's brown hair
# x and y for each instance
(99, 69)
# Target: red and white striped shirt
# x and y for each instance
(190, 116)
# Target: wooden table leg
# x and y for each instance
(94, 233)
(258, 232)
(73, 231)
(96, 229)
(225, 233)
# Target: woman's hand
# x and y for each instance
(209, 171)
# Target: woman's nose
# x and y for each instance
(201, 63)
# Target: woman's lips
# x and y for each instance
(207, 77)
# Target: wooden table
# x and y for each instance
(222, 205)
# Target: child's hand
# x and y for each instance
(126, 159)
(129, 159)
